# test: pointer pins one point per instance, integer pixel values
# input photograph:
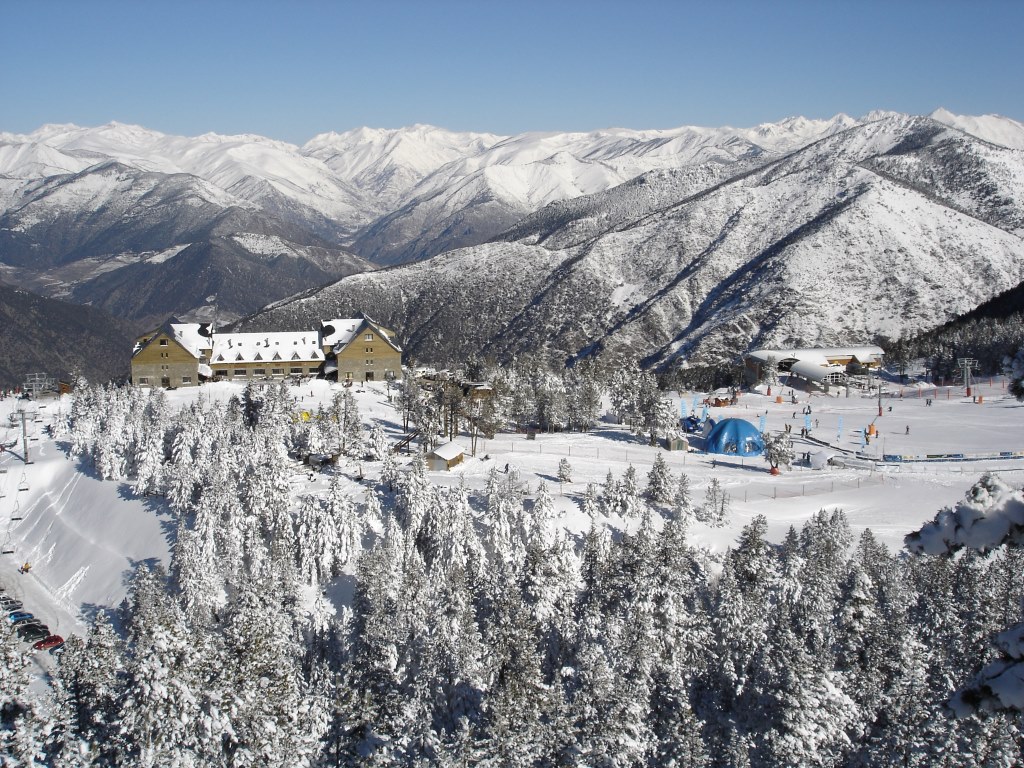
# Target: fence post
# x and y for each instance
(775, 492)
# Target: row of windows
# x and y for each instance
(145, 380)
(263, 371)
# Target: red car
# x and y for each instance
(49, 642)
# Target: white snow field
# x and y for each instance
(83, 536)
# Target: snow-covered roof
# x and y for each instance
(819, 355)
(336, 332)
(339, 332)
(448, 451)
(283, 347)
(814, 363)
(816, 371)
(192, 336)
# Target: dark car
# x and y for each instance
(33, 622)
(49, 643)
(33, 634)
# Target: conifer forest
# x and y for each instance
(477, 632)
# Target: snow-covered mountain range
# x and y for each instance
(213, 227)
(886, 227)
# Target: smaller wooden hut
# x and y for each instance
(444, 457)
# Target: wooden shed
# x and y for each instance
(444, 457)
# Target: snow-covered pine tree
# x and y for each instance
(564, 471)
(989, 517)
(22, 724)
(682, 503)
(778, 450)
(160, 709)
(716, 508)
(345, 412)
(542, 516)
(261, 678)
(389, 471)
(378, 445)
(591, 503)
(317, 542)
(630, 504)
(659, 481)
(770, 371)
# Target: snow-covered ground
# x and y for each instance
(84, 536)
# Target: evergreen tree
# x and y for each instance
(659, 481)
(160, 708)
(564, 471)
(682, 504)
(778, 449)
(715, 510)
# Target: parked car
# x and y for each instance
(33, 622)
(26, 617)
(16, 615)
(49, 643)
(10, 604)
(33, 634)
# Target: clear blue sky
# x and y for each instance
(290, 70)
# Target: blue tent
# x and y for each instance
(734, 437)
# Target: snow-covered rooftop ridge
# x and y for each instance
(266, 347)
(339, 331)
(192, 336)
(448, 451)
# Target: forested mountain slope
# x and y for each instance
(39, 335)
(832, 244)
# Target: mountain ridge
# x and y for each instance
(736, 264)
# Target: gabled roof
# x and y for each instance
(194, 338)
(340, 333)
(448, 451)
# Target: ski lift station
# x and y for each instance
(823, 366)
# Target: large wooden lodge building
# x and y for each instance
(186, 354)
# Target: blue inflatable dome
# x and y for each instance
(734, 437)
